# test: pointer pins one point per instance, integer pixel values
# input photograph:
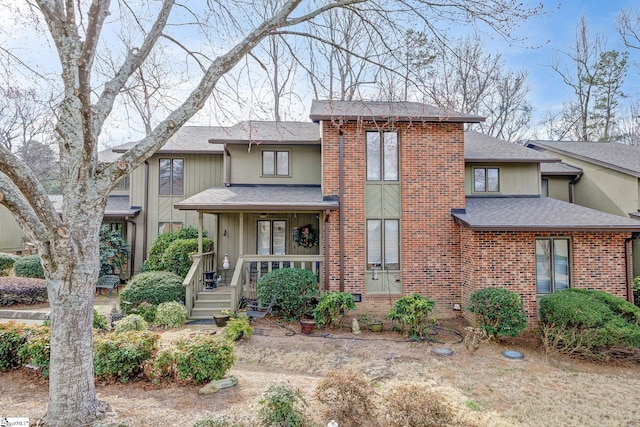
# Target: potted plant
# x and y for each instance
(222, 318)
(239, 327)
(307, 325)
(373, 323)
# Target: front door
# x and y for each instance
(271, 237)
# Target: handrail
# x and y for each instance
(193, 282)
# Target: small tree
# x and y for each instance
(114, 251)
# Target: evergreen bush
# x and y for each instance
(145, 291)
(35, 351)
(177, 257)
(332, 307)
(12, 338)
(204, 358)
(589, 323)
(154, 260)
(412, 312)
(282, 405)
(499, 311)
(292, 288)
(114, 250)
(99, 321)
(171, 314)
(6, 263)
(120, 356)
(132, 322)
(28, 266)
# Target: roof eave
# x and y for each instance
(425, 119)
(255, 207)
(545, 228)
(505, 160)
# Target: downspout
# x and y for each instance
(227, 166)
(571, 186)
(326, 249)
(634, 236)
(340, 199)
(145, 210)
(132, 255)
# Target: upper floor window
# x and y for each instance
(123, 184)
(275, 163)
(486, 180)
(544, 187)
(382, 156)
(552, 265)
(171, 176)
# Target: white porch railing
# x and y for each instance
(250, 268)
(193, 282)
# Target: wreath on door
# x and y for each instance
(306, 236)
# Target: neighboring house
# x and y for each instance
(605, 176)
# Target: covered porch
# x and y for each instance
(257, 229)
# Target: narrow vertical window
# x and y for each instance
(390, 155)
(544, 188)
(373, 156)
(392, 244)
(171, 174)
(279, 237)
(553, 272)
(264, 238)
(374, 244)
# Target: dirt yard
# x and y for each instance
(486, 389)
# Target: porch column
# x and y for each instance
(200, 227)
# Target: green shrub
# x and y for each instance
(35, 352)
(28, 266)
(499, 311)
(588, 323)
(6, 263)
(348, 396)
(114, 250)
(145, 291)
(154, 260)
(636, 291)
(332, 307)
(120, 356)
(412, 312)
(239, 327)
(99, 321)
(171, 314)
(413, 405)
(22, 290)
(177, 257)
(163, 366)
(132, 322)
(282, 405)
(204, 358)
(293, 288)
(12, 338)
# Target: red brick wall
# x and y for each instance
(432, 183)
(507, 259)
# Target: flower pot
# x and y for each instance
(307, 325)
(375, 326)
(221, 319)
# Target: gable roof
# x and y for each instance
(385, 111)
(613, 155)
(537, 214)
(479, 147)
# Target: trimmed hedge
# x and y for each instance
(28, 266)
(154, 260)
(121, 356)
(499, 311)
(6, 263)
(588, 322)
(293, 288)
(35, 351)
(22, 290)
(204, 358)
(12, 338)
(177, 257)
(171, 314)
(145, 291)
(412, 312)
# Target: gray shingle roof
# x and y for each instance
(188, 140)
(559, 169)
(269, 132)
(621, 157)
(116, 205)
(258, 197)
(382, 110)
(539, 214)
(479, 147)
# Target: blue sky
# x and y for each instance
(555, 32)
